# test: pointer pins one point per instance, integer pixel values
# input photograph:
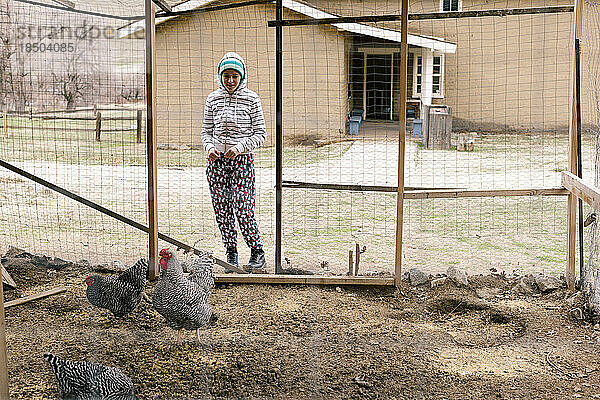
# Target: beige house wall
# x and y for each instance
(314, 72)
(508, 72)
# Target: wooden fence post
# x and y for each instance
(3, 355)
(357, 261)
(151, 140)
(139, 126)
(98, 125)
(572, 155)
(401, 143)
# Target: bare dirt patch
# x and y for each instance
(477, 342)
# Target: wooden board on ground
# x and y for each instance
(302, 279)
(36, 296)
(7, 279)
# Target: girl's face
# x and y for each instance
(231, 80)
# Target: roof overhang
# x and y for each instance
(433, 43)
(134, 27)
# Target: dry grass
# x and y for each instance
(320, 227)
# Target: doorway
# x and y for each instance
(378, 86)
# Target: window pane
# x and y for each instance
(436, 88)
(446, 5)
(454, 5)
(418, 80)
(419, 70)
(418, 88)
(436, 80)
(437, 60)
(436, 69)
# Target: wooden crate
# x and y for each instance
(437, 127)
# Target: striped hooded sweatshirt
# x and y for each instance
(233, 119)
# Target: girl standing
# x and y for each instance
(234, 126)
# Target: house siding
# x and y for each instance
(315, 68)
(507, 73)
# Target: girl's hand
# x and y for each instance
(232, 153)
(213, 154)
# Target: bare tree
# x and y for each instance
(7, 50)
(132, 93)
(20, 83)
(16, 87)
(71, 84)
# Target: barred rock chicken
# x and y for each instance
(83, 380)
(201, 270)
(183, 302)
(119, 294)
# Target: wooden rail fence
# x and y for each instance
(98, 120)
(584, 191)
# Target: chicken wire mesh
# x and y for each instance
(505, 81)
(590, 113)
(71, 96)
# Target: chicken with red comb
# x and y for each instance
(119, 294)
(181, 301)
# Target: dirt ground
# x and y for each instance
(307, 342)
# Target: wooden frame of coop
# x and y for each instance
(572, 185)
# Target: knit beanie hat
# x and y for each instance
(232, 61)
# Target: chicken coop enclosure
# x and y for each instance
(351, 125)
(423, 134)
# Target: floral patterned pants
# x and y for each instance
(231, 184)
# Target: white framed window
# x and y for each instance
(417, 74)
(437, 76)
(450, 5)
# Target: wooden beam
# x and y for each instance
(454, 194)
(401, 142)
(36, 296)
(578, 188)
(6, 278)
(4, 392)
(66, 3)
(413, 192)
(357, 188)
(423, 16)
(572, 154)
(163, 5)
(151, 140)
(302, 279)
(104, 210)
(226, 265)
(503, 12)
